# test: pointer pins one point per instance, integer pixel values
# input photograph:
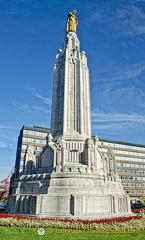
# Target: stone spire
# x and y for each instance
(71, 93)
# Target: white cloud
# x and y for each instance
(127, 73)
(44, 100)
(119, 96)
(117, 122)
(3, 144)
(117, 128)
(133, 20)
(107, 126)
(30, 108)
(118, 87)
(98, 116)
(112, 128)
(37, 108)
(21, 106)
(6, 127)
(126, 19)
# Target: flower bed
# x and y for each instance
(109, 220)
(135, 223)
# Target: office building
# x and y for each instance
(130, 162)
(35, 136)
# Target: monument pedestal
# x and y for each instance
(75, 195)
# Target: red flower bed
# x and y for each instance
(105, 220)
(4, 215)
(109, 220)
(137, 210)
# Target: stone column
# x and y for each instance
(22, 204)
(115, 204)
(78, 205)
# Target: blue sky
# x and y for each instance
(113, 35)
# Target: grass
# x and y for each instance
(9, 233)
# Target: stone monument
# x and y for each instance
(71, 178)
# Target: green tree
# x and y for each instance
(143, 199)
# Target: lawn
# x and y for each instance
(9, 233)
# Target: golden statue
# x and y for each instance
(72, 22)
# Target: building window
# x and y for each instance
(26, 139)
(44, 134)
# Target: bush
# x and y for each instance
(143, 200)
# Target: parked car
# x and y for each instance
(137, 206)
(3, 206)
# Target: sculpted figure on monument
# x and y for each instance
(59, 144)
(89, 152)
(90, 144)
(72, 22)
(49, 137)
(30, 168)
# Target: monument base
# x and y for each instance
(72, 195)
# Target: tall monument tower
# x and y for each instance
(71, 94)
(70, 178)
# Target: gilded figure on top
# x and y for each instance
(72, 22)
